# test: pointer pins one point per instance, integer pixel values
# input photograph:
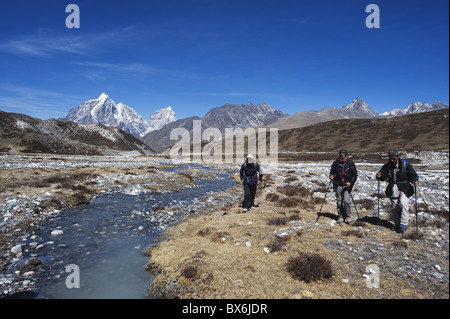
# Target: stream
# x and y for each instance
(106, 240)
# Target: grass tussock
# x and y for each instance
(189, 271)
(414, 235)
(306, 204)
(271, 197)
(206, 231)
(294, 190)
(278, 243)
(365, 203)
(309, 267)
(356, 233)
(278, 221)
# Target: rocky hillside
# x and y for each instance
(425, 131)
(22, 133)
(159, 140)
(227, 116)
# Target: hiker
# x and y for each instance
(343, 174)
(251, 175)
(401, 177)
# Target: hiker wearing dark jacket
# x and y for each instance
(251, 175)
(401, 177)
(343, 174)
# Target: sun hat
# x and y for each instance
(251, 159)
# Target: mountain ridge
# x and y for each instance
(227, 116)
(356, 109)
(25, 134)
(105, 111)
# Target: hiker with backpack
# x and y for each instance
(401, 177)
(251, 175)
(343, 174)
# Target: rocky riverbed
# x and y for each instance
(36, 188)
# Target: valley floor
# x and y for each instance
(225, 253)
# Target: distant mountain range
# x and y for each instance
(20, 133)
(227, 116)
(417, 107)
(100, 126)
(356, 109)
(156, 131)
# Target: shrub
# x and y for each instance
(278, 221)
(366, 203)
(291, 179)
(278, 242)
(356, 233)
(309, 267)
(414, 236)
(189, 271)
(271, 197)
(294, 190)
(290, 202)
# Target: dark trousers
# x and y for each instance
(249, 195)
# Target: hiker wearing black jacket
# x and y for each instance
(251, 176)
(401, 177)
(343, 174)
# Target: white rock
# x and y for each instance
(266, 250)
(57, 232)
(16, 249)
(248, 244)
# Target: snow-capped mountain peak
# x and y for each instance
(103, 110)
(417, 107)
(360, 108)
(161, 117)
(102, 97)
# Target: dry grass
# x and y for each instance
(367, 135)
(228, 253)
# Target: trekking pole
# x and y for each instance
(323, 202)
(417, 217)
(378, 200)
(354, 204)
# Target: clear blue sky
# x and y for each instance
(194, 55)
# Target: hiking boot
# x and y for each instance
(245, 210)
(253, 207)
(340, 220)
(348, 220)
(402, 229)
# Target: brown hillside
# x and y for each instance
(424, 131)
